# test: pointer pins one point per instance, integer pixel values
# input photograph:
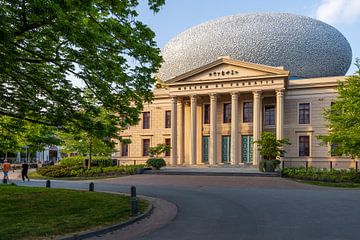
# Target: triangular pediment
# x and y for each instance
(225, 68)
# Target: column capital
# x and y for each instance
(213, 95)
(174, 98)
(257, 93)
(193, 97)
(280, 91)
(234, 94)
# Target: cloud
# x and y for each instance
(338, 11)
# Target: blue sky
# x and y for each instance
(179, 15)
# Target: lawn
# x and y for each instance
(32, 213)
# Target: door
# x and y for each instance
(225, 149)
(205, 149)
(247, 148)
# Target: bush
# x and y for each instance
(99, 161)
(79, 171)
(156, 163)
(325, 175)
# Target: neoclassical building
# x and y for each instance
(217, 96)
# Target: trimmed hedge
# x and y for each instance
(78, 171)
(324, 175)
(95, 161)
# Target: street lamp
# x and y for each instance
(26, 148)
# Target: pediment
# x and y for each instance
(225, 68)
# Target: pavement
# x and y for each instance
(233, 207)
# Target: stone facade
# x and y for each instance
(210, 138)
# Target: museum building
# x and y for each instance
(225, 81)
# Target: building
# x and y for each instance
(212, 110)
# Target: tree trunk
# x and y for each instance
(90, 154)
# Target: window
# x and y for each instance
(124, 150)
(304, 113)
(270, 115)
(227, 113)
(167, 119)
(146, 120)
(168, 143)
(304, 146)
(247, 112)
(207, 114)
(146, 144)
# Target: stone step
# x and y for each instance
(218, 173)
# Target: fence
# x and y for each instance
(340, 164)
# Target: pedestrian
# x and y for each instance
(6, 168)
(24, 171)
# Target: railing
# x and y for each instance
(339, 164)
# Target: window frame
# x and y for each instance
(168, 119)
(243, 111)
(309, 145)
(264, 114)
(298, 113)
(122, 149)
(145, 153)
(146, 120)
(204, 113)
(168, 153)
(226, 118)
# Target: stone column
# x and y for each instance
(180, 131)
(193, 106)
(173, 130)
(256, 125)
(213, 137)
(279, 114)
(234, 128)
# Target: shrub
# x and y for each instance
(79, 171)
(156, 163)
(325, 175)
(100, 161)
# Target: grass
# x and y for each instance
(35, 213)
(329, 184)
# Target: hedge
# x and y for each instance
(100, 161)
(325, 175)
(78, 171)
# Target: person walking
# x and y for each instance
(6, 168)
(24, 171)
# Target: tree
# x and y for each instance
(156, 161)
(271, 149)
(84, 142)
(344, 118)
(102, 44)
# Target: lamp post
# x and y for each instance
(26, 152)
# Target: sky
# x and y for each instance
(178, 15)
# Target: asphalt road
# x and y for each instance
(242, 207)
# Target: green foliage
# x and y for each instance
(271, 148)
(159, 149)
(344, 118)
(60, 171)
(325, 175)
(101, 44)
(79, 161)
(156, 163)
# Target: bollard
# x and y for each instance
(356, 166)
(48, 184)
(134, 203)
(91, 187)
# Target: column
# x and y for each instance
(213, 136)
(256, 125)
(279, 114)
(193, 105)
(234, 128)
(173, 130)
(180, 145)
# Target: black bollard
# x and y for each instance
(91, 187)
(134, 203)
(48, 184)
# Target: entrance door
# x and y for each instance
(225, 149)
(205, 149)
(247, 148)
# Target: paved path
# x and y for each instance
(215, 207)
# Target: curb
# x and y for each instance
(94, 233)
(153, 172)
